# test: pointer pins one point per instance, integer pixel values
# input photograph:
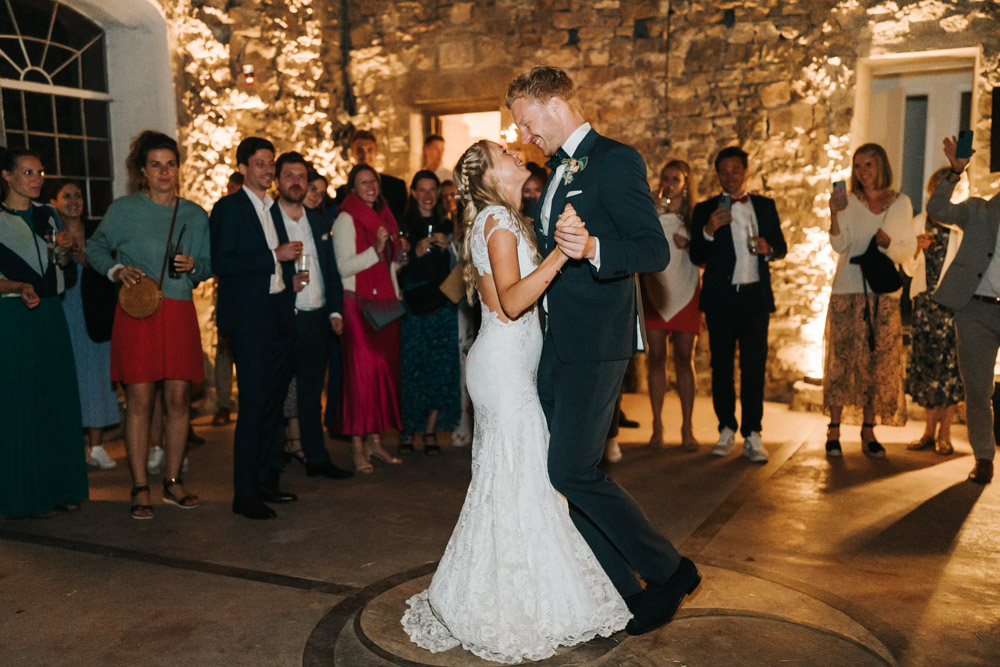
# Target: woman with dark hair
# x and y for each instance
(864, 330)
(317, 198)
(670, 303)
(89, 317)
(165, 348)
(431, 395)
(368, 257)
(43, 468)
(932, 375)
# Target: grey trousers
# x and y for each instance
(978, 329)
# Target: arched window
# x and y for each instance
(54, 89)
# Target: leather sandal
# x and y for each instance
(833, 450)
(925, 442)
(431, 446)
(295, 451)
(872, 448)
(137, 511)
(405, 446)
(944, 447)
(187, 502)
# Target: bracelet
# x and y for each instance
(957, 173)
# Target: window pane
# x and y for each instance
(47, 147)
(100, 198)
(69, 116)
(72, 159)
(12, 117)
(99, 159)
(93, 67)
(39, 111)
(12, 47)
(97, 118)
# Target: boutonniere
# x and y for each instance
(573, 166)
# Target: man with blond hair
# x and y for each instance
(591, 331)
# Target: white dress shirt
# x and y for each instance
(263, 208)
(570, 145)
(743, 226)
(312, 296)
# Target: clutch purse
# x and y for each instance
(141, 300)
(453, 286)
(382, 313)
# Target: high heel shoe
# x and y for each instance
(373, 447)
(361, 462)
(295, 452)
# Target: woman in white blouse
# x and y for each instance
(864, 345)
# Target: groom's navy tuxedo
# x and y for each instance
(591, 332)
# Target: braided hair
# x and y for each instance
(478, 191)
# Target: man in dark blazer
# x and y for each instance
(253, 261)
(317, 310)
(971, 287)
(591, 331)
(364, 150)
(734, 236)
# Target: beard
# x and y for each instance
(295, 194)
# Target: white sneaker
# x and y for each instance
(100, 459)
(612, 452)
(184, 466)
(156, 460)
(724, 446)
(753, 448)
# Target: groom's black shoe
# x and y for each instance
(658, 603)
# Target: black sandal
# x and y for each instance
(405, 446)
(188, 502)
(431, 448)
(833, 450)
(140, 512)
(872, 448)
(296, 453)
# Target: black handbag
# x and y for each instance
(382, 313)
(878, 270)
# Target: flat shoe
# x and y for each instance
(943, 447)
(186, 502)
(983, 472)
(925, 442)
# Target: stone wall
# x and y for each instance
(673, 78)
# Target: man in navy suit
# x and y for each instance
(317, 309)
(735, 236)
(592, 330)
(253, 260)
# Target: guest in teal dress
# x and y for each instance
(165, 348)
(43, 466)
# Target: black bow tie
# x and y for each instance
(557, 159)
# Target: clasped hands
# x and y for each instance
(572, 237)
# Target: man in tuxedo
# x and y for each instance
(364, 150)
(971, 287)
(253, 260)
(317, 309)
(591, 331)
(734, 236)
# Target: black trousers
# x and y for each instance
(741, 321)
(335, 377)
(579, 402)
(265, 363)
(312, 345)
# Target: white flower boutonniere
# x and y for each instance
(573, 166)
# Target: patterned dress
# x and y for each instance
(932, 376)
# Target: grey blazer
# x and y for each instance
(979, 220)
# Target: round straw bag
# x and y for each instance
(141, 300)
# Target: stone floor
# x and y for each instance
(805, 561)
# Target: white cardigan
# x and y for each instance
(857, 227)
(349, 262)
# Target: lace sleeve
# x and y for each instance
(481, 237)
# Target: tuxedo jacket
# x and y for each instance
(979, 220)
(592, 312)
(719, 255)
(332, 285)
(393, 190)
(243, 263)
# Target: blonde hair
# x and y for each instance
(539, 85)
(480, 192)
(884, 179)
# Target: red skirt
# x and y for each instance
(687, 319)
(166, 346)
(370, 397)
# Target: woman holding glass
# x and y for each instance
(864, 331)
(165, 348)
(43, 468)
(368, 254)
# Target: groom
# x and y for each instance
(591, 332)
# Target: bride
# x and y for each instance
(516, 580)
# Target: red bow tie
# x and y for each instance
(742, 200)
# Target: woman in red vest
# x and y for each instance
(368, 249)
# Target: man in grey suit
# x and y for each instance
(971, 287)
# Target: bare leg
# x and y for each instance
(361, 463)
(156, 418)
(684, 366)
(943, 444)
(140, 398)
(833, 432)
(656, 376)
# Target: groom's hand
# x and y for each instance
(576, 242)
(569, 218)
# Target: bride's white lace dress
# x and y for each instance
(516, 580)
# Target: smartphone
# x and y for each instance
(725, 202)
(964, 148)
(840, 186)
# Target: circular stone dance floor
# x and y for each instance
(734, 618)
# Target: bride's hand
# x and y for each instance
(569, 218)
